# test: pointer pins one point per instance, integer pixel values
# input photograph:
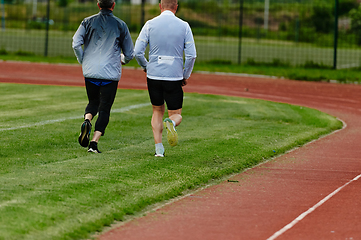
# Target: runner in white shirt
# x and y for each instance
(168, 38)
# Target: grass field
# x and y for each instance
(51, 188)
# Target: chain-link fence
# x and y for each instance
(279, 32)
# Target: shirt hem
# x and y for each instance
(165, 78)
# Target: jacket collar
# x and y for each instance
(106, 11)
(167, 12)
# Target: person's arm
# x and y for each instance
(140, 46)
(190, 54)
(78, 41)
(127, 48)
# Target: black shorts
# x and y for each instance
(169, 91)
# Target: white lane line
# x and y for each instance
(7, 203)
(303, 215)
(119, 110)
(125, 109)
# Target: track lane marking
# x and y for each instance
(118, 110)
(303, 215)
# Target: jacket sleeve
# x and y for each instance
(78, 41)
(127, 47)
(189, 53)
(140, 46)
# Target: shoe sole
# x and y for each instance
(84, 134)
(93, 151)
(172, 135)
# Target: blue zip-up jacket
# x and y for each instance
(104, 37)
(168, 37)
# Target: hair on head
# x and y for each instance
(169, 4)
(105, 3)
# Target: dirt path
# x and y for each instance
(315, 190)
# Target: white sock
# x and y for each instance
(159, 148)
(173, 123)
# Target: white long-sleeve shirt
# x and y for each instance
(168, 37)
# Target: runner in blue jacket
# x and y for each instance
(107, 45)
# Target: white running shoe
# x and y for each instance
(158, 155)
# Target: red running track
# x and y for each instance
(313, 190)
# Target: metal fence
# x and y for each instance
(278, 32)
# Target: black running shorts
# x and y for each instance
(169, 91)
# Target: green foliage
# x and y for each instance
(12, 56)
(322, 18)
(219, 62)
(312, 64)
(24, 53)
(345, 6)
(3, 51)
(274, 63)
(62, 3)
(355, 15)
(210, 6)
(31, 24)
(301, 33)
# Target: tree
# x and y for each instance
(345, 6)
(355, 15)
(62, 3)
(322, 18)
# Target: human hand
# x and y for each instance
(122, 59)
(184, 82)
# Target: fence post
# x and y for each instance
(47, 29)
(266, 14)
(3, 15)
(240, 31)
(336, 36)
(142, 14)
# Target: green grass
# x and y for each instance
(51, 188)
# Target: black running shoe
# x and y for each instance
(93, 147)
(85, 130)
